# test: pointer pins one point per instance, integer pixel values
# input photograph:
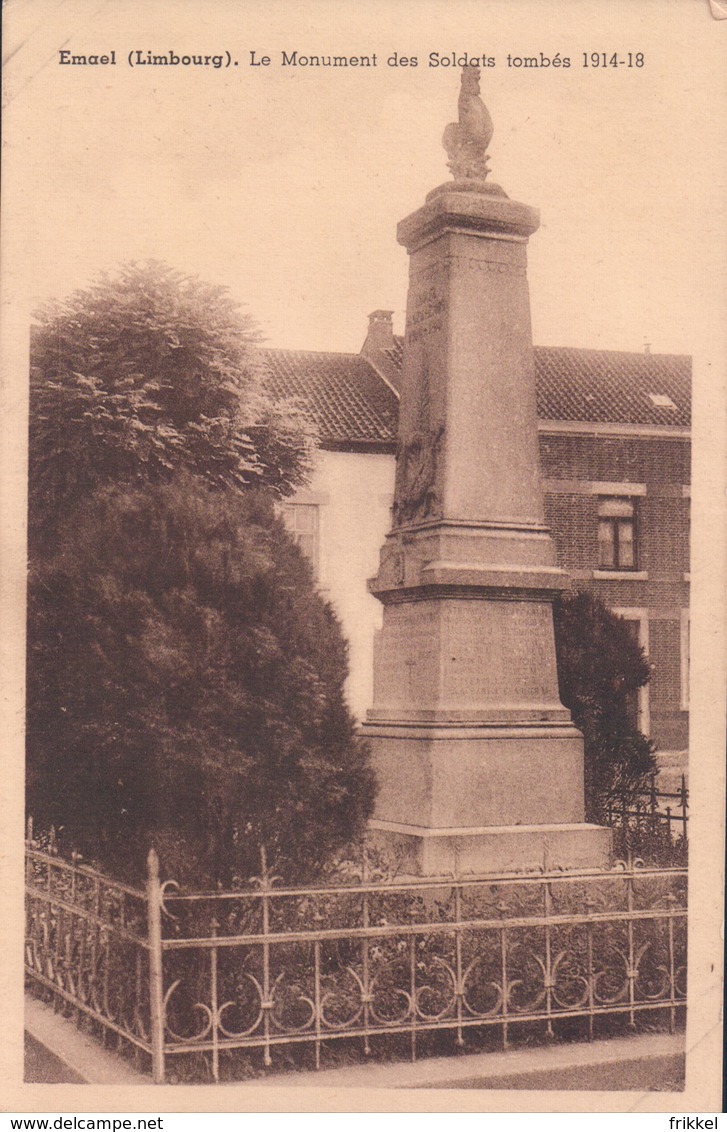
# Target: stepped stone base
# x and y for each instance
(444, 776)
(489, 850)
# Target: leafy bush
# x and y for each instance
(143, 375)
(600, 666)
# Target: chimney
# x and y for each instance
(380, 334)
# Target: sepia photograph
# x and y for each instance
(364, 519)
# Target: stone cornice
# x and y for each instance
(614, 428)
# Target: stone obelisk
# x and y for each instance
(480, 768)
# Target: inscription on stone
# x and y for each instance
(492, 656)
(408, 657)
(486, 266)
(427, 305)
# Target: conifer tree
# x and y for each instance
(600, 669)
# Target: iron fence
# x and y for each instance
(657, 817)
(87, 944)
(212, 975)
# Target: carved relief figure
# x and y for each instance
(417, 456)
(416, 497)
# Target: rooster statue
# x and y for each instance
(466, 141)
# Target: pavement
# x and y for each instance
(645, 1062)
(43, 1067)
(57, 1052)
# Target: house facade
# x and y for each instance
(614, 440)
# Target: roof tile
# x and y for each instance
(343, 392)
(352, 404)
(611, 386)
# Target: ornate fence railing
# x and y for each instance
(209, 976)
(87, 944)
(655, 820)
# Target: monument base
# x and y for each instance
(491, 850)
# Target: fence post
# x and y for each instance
(653, 804)
(365, 922)
(156, 979)
(267, 998)
(683, 800)
(28, 845)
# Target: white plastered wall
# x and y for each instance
(354, 492)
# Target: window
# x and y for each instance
(661, 400)
(684, 698)
(301, 519)
(637, 706)
(632, 698)
(617, 533)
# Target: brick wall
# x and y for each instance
(574, 469)
(631, 458)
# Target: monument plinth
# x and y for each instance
(479, 764)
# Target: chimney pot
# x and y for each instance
(380, 334)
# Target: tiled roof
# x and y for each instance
(346, 397)
(352, 405)
(610, 386)
(396, 353)
(606, 386)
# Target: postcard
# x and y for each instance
(364, 543)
